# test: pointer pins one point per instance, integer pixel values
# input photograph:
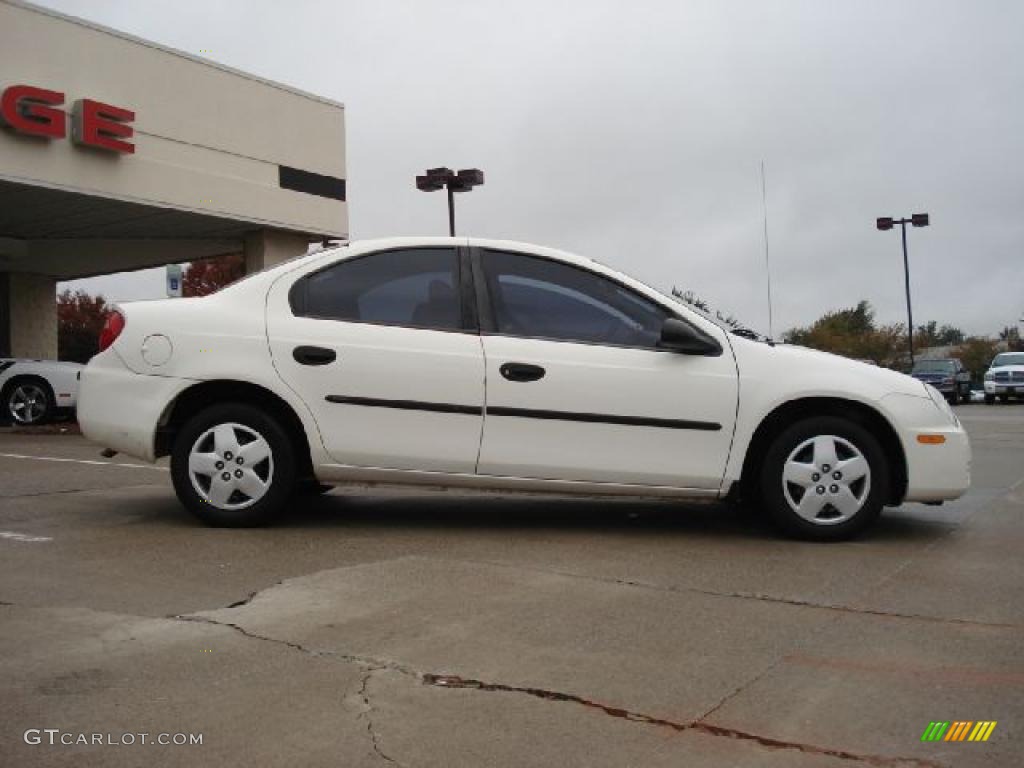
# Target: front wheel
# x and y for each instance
(824, 479)
(990, 399)
(233, 466)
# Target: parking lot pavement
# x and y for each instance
(436, 630)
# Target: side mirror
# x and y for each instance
(684, 338)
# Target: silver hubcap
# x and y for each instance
(27, 403)
(231, 466)
(826, 480)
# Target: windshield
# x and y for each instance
(1008, 358)
(933, 366)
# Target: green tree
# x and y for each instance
(1011, 336)
(932, 335)
(80, 318)
(976, 354)
(205, 276)
(853, 333)
(950, 334)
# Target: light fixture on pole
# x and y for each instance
(886, 223)
(441, 178)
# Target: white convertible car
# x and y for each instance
(477, 364)
(33, 391)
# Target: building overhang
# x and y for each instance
(70, 234)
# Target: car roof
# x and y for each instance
(360, 246)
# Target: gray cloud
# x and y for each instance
(633, 133)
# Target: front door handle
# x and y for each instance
(522, 372)
(313, 355)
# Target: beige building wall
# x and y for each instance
(208, 139)
(266, 248)
(223, 162)
(33, 315)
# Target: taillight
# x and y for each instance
(111, 329)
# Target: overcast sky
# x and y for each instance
(633, 132)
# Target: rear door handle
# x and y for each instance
(522, 372)
(313, 355)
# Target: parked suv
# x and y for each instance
(947, 375)
(1005, 377)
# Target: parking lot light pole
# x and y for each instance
(886, 223)
(446, 178)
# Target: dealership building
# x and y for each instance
(119, 154)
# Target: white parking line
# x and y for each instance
(22, 536)
(82, 461)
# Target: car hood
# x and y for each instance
(821, 372)
(1006, 369)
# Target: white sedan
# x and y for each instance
(478, 364)
(33, 391)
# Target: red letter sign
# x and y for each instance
(101, 125)
(30, 110)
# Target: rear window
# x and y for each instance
(415, 287)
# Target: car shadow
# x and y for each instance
(382, 512)
(411, 511)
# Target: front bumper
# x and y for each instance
(935, 471)
(120, 409)
(1004, 388)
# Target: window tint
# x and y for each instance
(540, 298)
(416, 287)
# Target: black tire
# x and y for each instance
(966, 397)
(280, 472)
(1004, 399)
(41, 386)
(311, 488)
(773, 494)
(990, 399)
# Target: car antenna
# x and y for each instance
(767, 264)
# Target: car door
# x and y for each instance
(577, 388)
(382, 349)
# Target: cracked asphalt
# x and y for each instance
(417, 629)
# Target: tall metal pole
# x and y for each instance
(451, 213)
(906, 271)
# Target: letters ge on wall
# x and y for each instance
(34, 111)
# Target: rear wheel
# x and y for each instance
(824, 479)
(28, 401)
(233, 465)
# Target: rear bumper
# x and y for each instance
(120, 409)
